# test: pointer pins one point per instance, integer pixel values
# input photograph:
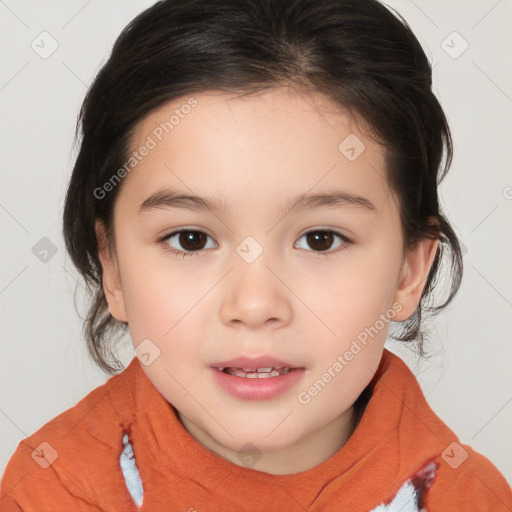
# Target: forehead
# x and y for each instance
(270, 110)
(218, 143)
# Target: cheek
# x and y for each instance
(353, 311)
(158, 295)
(351, 295)
(161, 306)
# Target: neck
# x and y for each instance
(303, 455)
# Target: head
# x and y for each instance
(251, 104)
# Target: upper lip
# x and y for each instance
(253, 363)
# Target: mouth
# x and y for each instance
(256, 373)
(261, 367)
(252, 384)
(256, 378)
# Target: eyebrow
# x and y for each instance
(168, 198)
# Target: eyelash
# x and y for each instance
(343, 247)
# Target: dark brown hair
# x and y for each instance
(356, 52)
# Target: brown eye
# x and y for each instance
(192, 240)
(322, 240)
(186, 241)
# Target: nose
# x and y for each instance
(254, 295)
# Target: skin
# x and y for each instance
(294, 301)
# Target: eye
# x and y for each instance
(321, 240)
(190, 241)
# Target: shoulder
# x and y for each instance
(460, 478)
(467, 480)
(53, 465)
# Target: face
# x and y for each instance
(311, 283)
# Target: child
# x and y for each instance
(300, 142)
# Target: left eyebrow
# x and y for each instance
(336, 198)
(168, 198)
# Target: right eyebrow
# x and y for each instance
(169, 198)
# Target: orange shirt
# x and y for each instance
(400, 453)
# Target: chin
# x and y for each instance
(256, 439)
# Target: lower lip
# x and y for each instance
(256, 388)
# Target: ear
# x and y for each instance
(413, 276)
(111, 278)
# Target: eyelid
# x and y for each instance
(169, 232)
(176, 231)
(334, 229)
(206, 232)
(347, 242)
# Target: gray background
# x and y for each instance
(43, 363)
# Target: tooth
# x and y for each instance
(261, 373)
